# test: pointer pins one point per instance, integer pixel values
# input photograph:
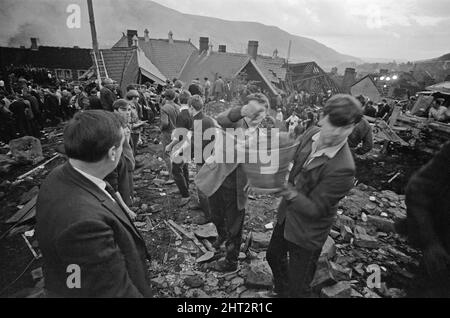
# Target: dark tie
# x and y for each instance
(113, 194)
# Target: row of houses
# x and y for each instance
(65, 63)
(140, 59)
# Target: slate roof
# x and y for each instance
(47, 56)
(116, 61)
(123, 65)
(168, 57)
(227, 65)
(273, 68)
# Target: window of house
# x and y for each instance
(59, 73)
(68, 74)
(81, 72)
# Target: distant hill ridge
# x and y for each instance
(114, 17)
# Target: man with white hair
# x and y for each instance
(107, 96)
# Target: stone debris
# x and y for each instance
(260, 240)
(329, 248)
(365, 241)
(339, 290)
(346, 234)
(206, 231)
(194, 281)
(340, 273)
(323, 276)
(26, 149)
(196, 293)
(259, 275)
(382, 224)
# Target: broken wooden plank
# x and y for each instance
(38, 167)
(36, 256)
(189, 235)
(173, 230)
(390, 134)
(208, 245)
(395, 113)
(24, 214)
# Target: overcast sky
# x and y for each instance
(406, 29)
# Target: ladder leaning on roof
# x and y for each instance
(100, 66)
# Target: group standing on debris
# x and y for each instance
(84, 216)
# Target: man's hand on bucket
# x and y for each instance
(289, 192)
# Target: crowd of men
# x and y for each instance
(28, 108)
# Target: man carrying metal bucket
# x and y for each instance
(323, 173)
(226, 184)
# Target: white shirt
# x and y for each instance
(98, 182)
(293, 120)
(279, 116)
(330, 152)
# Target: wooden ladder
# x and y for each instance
(100, 66)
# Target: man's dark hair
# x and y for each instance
(120, 104)
(90, 134)
(130, 87)
(170, 94)
(196, 102)
(184, 97)
(206, 78)
(343, 110)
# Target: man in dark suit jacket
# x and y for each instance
(428, 221)
(225, 184)
(107, 96)
(90, 246)
(323, 173)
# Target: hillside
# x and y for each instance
(46, 19)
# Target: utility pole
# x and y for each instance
(287, 66)
(289, 51)
(92, 23)
(96, 52)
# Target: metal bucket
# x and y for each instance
(270, 177)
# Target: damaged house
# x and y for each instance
(268, 72)
(139, 60)
(310, 77)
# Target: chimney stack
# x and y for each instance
(222, 48)
(275, 54)
(204, 45)
(146, 35)
(210, 49)
(170, 37)
(130, 35)
(253, 49)
(349, 79)
(135, 40)
(34, 45)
